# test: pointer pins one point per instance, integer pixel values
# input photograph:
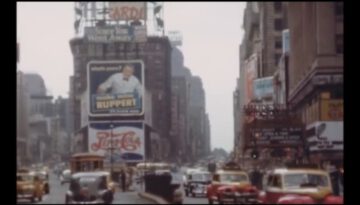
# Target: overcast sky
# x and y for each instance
(211, 37)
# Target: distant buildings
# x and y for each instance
(190, 123)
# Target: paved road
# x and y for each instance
(57, 195)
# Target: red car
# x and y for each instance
(298, 186)
(231, 186)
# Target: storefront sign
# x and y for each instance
(282, 136)
(325, 135)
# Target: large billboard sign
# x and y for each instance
(106, 34)
(264, 88)
(250, 75)
(325, 135)
(127, 10)
(116, 88)
(125, 139)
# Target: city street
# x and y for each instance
(57, 195)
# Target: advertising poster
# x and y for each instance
(126, 139)
(116, 88)
(263, 88)
(332, 110)
(250, 75)
(326, 135)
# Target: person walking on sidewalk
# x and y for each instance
(123, 180)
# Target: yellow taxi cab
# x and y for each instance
(28, 186)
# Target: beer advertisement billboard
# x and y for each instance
(116, 88)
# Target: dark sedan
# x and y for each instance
(89, 188)
(196, 183)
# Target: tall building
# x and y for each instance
(180, 101)
(316, 75)
(22, 121)
(62, 110)
(197, 141)
(272, 21)
(259, 52)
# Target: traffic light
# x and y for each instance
(254, 154)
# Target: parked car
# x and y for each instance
(28, 186)
(231, 185)
(65, 176)
(196, 183)
(298, 186)
(89, 187)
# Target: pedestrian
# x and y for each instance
(123, 180)
(334, 176)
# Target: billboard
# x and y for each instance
(125, 138)
(250, 75)
(325, 135)
(124, 33)
(127, 10)
(264, 88)
(332, 110)
(116, 88)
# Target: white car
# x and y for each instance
(65, 176)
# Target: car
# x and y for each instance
(89, 188)
(44, 180)
(296, 185)
(28, 186)
(231, 185)
(196, 183)
(65, 176)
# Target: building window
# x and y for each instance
(277, 6)
(339, 38)
(278, 43)
(339, 8)
(278, 24)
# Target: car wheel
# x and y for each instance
(211, 201)
(47, 189)
(220, 200)
(193, 195)
(32, 199)
(186, 193)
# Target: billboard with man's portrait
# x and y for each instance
(116, 88)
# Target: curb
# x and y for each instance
(153, 198)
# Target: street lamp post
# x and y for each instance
(111, 152)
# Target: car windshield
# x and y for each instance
(201, 177)
(233, 178)
(24, 178)
(305, 180)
